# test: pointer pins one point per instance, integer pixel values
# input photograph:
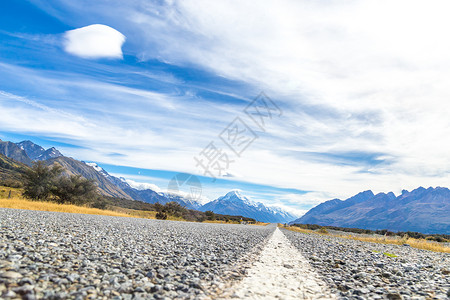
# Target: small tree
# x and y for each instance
(161, 216)
(159, 207)
(75, 189)
(210, 215)
(39, 180)
(323, 230)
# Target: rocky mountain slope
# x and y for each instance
(10, 170)
(76, 167)
(234, 203)
(13, 151)
(422, 210)
(31, 149)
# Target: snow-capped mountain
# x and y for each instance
(36, 152)
(234, 203)
(186, 201)
(31, 149)
(422, 210)
(49, 153)
(98, 169)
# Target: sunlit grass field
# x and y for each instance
(19, 203)
(415, 243)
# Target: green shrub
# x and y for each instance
(210, 215)
(75, 190)
(323, 230)
(161, 216)
(100, 204)
(39, 181)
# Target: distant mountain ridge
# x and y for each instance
(234, 203)
(422, 210)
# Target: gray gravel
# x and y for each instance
(56, 256)
(359, 270)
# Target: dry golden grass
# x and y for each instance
(135, 213)
(260, 224)
(18, 203)
(234, 222)
(219, 222)
(4, 192)
(415, 243)
(298, 229)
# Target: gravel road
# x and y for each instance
(358, 270)
(56, 256)
(47, 255)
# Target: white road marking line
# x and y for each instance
(281, 272)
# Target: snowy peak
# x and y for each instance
(97, 168)
(36, 152)
(234, 203)
(49, 153)
(236, 197)
(235, 193)
(119, 182)
(31, 149)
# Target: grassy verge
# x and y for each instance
(219, 222)
(234, 222)
(260, 224)
(142, 213)
(415, 243)
(18, 203)
(5, 192)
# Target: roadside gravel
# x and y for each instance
(360, 270)
(57, 256)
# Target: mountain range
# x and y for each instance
(234, 203)
(422, 210)
(26, 152)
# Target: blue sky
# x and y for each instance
(143, 87)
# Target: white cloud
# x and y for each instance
(143, 185)
(94, 41)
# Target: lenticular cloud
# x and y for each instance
(94, 41)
